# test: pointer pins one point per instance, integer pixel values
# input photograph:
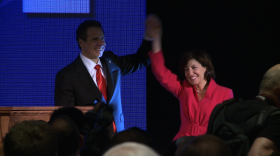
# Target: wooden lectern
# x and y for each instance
(10, 116)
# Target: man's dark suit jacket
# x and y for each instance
(74, 85)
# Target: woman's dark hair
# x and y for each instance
(203, 58)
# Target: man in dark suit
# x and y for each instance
(77, 83)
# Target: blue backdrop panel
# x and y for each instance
(34, 47)
(55, 6)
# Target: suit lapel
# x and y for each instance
(86, 79)
(109, 77)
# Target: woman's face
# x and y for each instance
(194, 73)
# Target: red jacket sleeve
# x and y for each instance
(166, 78)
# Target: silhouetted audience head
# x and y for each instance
(131, 135)
(270, 84)
(97, 141)
(176, 145)
(184, 140)
(181, 142)
(131, 149)
(75, 114)
(206, 145)
(69, 139)
(30, 138)
(99, 122)
(203, 58)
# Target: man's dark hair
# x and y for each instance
(203, 58)
(205, 145)
(67, 133)
(30, 138)
(96, 142)
(81, 32)
(74, 113)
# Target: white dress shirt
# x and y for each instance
(90, 67)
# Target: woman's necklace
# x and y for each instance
(199, 92)
(203, 90)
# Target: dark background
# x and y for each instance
(241, 37)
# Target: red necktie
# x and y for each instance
(101, 82)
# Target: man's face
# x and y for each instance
(94, 46)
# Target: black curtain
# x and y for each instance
(242, 38)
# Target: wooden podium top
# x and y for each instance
(38, 108)
(9, 116)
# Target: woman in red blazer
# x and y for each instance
(198, 94)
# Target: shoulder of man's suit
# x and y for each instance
(68, 68)
(108, 54)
